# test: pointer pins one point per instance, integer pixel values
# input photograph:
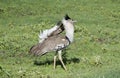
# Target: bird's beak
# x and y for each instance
(74, 21)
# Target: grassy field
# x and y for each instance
(95, 52)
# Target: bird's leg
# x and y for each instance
(55, 57)
(60, 58)
(55, 61)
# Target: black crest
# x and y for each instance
(67, 17)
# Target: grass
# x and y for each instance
(93, 54)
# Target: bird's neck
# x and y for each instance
(69, 28)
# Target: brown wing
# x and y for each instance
(50, 44)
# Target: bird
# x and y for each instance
(56, 42)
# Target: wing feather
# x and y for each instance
(57, 29)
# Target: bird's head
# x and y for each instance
(67, 21)
(67, 18)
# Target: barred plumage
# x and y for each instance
(55, 41)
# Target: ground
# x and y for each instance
(93, 54)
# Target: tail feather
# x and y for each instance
(36, 50)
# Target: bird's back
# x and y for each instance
(52, 43)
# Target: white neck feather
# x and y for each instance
(69, 28)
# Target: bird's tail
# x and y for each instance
(36, 50)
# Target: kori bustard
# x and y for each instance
(56, 41)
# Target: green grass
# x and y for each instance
(93, 54)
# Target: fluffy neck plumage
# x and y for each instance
(69, 28)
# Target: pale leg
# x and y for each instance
(60, 58)
(55, 61)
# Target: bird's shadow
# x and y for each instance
(65, 60)
(49, 62)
